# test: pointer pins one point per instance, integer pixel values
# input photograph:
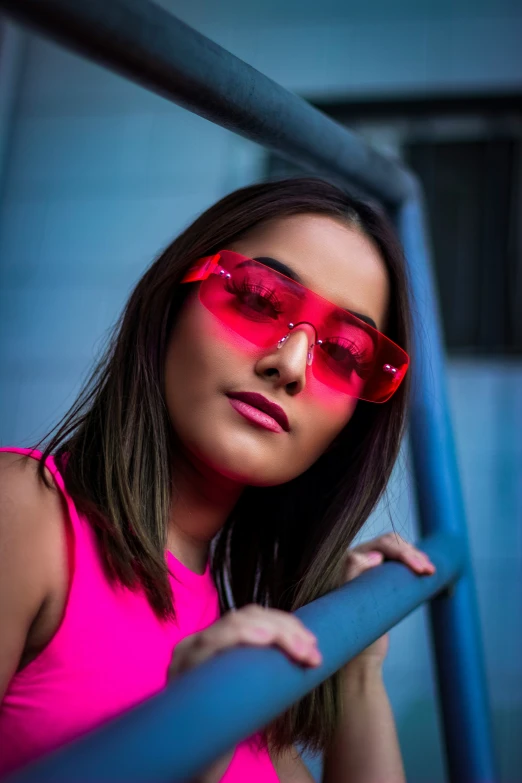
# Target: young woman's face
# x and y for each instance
(205, 363)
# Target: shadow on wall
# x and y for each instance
(507, 733)
(418, 728)
(422, 760)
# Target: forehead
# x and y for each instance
(330, 257)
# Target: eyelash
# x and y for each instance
(359, 358)
(269, 295)
(246, 287)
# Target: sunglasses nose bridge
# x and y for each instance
(292, 326)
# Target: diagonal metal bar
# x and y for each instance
(144, 42)
(239, 691)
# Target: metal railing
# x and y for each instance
(181, 731)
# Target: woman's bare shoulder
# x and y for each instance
(33, 565)
(31, 516)
(19, 472)
(31, 512)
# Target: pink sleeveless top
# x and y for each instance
(109, 653)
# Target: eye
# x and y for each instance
(346, 356)
(254, 300)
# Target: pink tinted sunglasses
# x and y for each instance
(263, 306)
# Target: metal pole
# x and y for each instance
(454, 614)
(239, 691)
(142, 41)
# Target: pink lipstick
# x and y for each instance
(260, 410)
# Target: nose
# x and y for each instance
(287, 364)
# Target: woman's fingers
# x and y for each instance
(251, 625)
(357, 562)
(394, 547)
(256, 626)
(263, 627)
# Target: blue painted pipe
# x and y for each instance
(201, 715)
(145, 43)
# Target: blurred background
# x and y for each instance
(97, 175)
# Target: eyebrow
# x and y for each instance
(278, 266)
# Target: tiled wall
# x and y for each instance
(101, 175)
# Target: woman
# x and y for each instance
(233, 441)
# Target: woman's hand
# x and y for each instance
(252, 625)
(368, 555)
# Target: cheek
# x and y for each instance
(204, 359)
(209, 335)
(329, 411)
(196, 344)
(190, 359)
(332, 405)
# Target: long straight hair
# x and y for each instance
(281, 546)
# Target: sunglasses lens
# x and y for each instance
(259, 304)
(372, 376)
(251, 300)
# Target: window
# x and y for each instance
(468, 156)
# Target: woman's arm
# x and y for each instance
(365, 748)
(30, 538)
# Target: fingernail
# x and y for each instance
(424, 562)
(373, 557)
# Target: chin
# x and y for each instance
(243, 470)
(242, 464)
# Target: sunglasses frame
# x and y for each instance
(206, 266)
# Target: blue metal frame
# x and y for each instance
(239, 691)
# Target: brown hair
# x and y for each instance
(282, 546)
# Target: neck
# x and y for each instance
(201, 503)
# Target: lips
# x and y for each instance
(262, 404)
